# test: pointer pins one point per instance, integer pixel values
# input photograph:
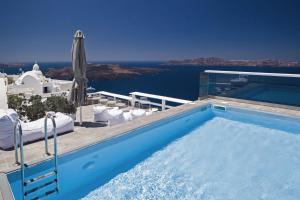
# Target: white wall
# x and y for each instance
(3, 96)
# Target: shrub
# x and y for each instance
(59, 104)
(17, 102)
(35, 108)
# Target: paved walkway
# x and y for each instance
(3, 96)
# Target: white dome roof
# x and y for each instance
(35, 73)
(36, 67)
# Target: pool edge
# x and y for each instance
(5, 189)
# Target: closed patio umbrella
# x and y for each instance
(77, 94)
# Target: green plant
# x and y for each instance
(16, 102)
(59, 104)
(35, 108)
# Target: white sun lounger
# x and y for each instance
(138, 113)
(111, 116)
(32, 131)
(115, 116)
(100, 113)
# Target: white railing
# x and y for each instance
(134, 98)
(163, 99)
(110, 94)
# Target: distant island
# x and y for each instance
(214, 61)
(102, 72)
(11, 65)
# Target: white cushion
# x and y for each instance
(127, 116)
(115, 116)
(138, 113)
(100, 113)
(99, 109)
(32, 130)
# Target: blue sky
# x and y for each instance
(122, 30)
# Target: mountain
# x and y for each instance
(102, 72)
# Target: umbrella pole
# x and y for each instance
(80, 115)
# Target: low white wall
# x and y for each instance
(3, 95)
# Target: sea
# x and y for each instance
(179, 81)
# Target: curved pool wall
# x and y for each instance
(106, 159)
(81, 170)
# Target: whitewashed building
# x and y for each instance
(35, 83)
(3, 90)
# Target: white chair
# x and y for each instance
(137, 113)
(115, 116)
(127, 116)
(151, 111)
(99, 113)
(32, 131)
(111, 116)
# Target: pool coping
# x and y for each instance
(5, 189)
(91, 137)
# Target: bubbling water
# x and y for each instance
(222, 159)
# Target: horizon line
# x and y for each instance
(165, 60)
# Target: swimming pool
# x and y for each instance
(205, 153)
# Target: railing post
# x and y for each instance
(133, 100)
(163, 104)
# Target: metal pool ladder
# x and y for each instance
(36, 188)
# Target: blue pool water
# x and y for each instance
(201, 154)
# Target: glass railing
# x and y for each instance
(264, 87)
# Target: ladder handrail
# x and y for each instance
(18, 127)
(20, 143)
(51, 115)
